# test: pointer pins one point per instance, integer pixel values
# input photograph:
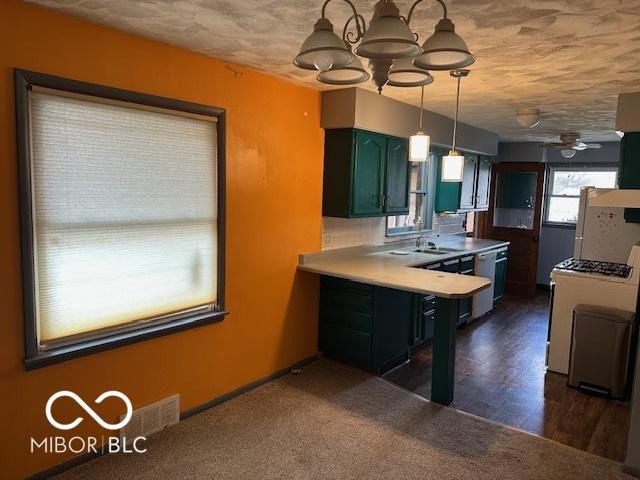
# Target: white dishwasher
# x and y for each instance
(484, 266)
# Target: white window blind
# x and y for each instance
(124, 213)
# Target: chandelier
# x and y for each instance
(395, 57)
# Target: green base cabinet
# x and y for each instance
(363, 324)
(423, 319)
(629, 170)
(366, 174)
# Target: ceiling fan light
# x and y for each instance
(452, 167)
(350, 74)
(388, 35)
(444, 50)
(567, 152)
(419, 147)
(323, 49)
(404, 74)
(528, 117)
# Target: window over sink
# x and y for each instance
(420, 201)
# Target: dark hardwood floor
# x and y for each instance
(501, 376)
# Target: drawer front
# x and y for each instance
(428, 321)
(342, 284)
(451, 265)
(432, 266)
(347, 343)
(346, 317)
(428, 303)
(502, 254)
(466, 264)
(340, 298)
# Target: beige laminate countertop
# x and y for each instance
(376, 265)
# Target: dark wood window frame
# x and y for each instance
(35, 358)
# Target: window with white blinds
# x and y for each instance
(124, 215)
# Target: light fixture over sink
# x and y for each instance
(419, 143)
(453, 163)
(388, 42)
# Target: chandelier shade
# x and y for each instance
(388, 35)
(444, 50)
(323, 49)
(350, 74)
(403, 73)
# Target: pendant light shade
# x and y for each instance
(420, 142)
(323, 49)
(403, 73)
(452, 167)
(419, 147)
(444, 50)
(350, 74)
(388, 35)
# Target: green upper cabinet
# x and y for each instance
(467, 188)
(629, 170)
(369, 162)
(398, 173)
(483, 182)
(366, 174)
(470, 194)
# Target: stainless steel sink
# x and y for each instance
(437, 250)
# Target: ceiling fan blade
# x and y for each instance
(593, 145)
(579, 146)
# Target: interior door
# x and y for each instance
(368, 175)
(514, 215)
(397, 179)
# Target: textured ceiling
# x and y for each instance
(570, 58)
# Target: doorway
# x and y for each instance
(514, 215)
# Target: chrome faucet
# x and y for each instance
(421, 240)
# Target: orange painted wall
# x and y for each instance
(274, 175)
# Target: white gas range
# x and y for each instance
(604, 272)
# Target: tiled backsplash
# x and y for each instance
(352, 232)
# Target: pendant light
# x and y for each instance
(419, 143)
(453, 164)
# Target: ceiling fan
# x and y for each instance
(570, 144)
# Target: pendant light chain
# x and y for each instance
(421, 109)
(455, 118)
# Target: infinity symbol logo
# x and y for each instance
(89, 410)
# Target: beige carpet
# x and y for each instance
(336, 422)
